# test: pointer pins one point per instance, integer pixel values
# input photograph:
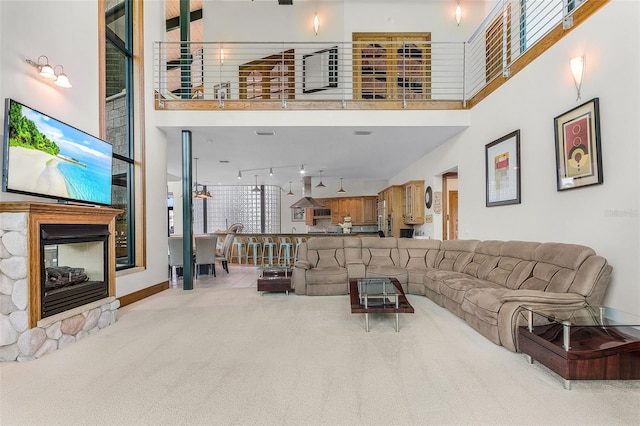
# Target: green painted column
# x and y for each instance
(187, 216)
(185, 49)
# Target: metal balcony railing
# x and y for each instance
(411, 74)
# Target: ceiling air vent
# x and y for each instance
(285, 2)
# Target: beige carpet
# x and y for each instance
(229, 356)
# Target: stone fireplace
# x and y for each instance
(57, 276)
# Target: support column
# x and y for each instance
(187, 216)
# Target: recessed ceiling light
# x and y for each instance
(362, 132)
(265, 132)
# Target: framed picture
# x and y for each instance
(222, 90)
(320, 70)
(298, 214)
(578, 156)
(502, 158)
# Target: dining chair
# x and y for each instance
(176, 258)
(205, 252)
(224, 255)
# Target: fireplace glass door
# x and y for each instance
(74, 266)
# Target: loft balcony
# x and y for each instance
(409, 72)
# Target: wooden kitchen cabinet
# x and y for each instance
(369, 211)
(413, 202)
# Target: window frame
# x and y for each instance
(134, 53)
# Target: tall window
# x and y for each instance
(118, 108)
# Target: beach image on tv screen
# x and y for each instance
(51, 158)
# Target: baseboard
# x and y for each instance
(127, 299)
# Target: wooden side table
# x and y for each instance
(275, 278)
(589, 343)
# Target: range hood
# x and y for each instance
(306, 201)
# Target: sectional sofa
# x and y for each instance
(485, 283)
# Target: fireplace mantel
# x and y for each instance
(48, 213)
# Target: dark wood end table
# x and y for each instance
(275, 278)
(589, 343)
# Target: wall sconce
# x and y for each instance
(316, 24)
(577, 69)
(47, 71)
(61, 78)
(458, 14)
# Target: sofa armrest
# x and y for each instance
(302, 264)
(537, 296)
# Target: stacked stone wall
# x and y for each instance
(18, 342)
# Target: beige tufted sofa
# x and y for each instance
(485, 283)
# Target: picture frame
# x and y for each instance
(502, 166)
(320, 70)
(298, 214)
(578, 151)
(223, 89)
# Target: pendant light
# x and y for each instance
(290, 194)
(197, 193)
(341, 190)
(255, 188)
(320, 185)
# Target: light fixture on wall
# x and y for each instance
(577, 69)
(458, 14)
(320, 185)
(197, 193)
(316, 24)
(47, 71)
(290, 193)
(341, 190)
(61, 78)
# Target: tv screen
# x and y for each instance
(48, 158)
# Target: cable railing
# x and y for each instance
(414, 74)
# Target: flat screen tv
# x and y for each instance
(48, 158)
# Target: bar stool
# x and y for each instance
(285, 251)
(253, 245)
(299, 241)
(238, 244)
(268, 245)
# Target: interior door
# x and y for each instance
(453, 215)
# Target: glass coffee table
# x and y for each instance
(378, 295)
(275, 278)
(588, 343)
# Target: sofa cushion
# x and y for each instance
(418, 254)
(388, 271)
(484, 303)
(454, 255)
(485, 258)
(329, 275)
(456, 288)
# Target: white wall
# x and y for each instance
(29, 29)
(604, 217)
